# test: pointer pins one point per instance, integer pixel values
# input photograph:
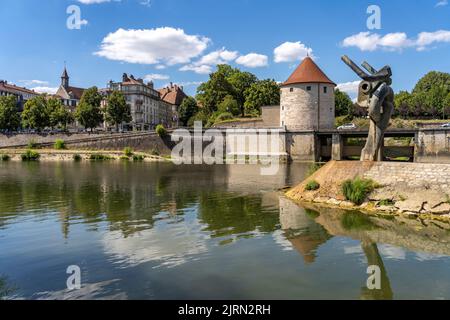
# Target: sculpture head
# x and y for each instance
(370, 82)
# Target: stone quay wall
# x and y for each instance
(428, 175)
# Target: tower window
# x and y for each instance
(325, 90)
(308, 88)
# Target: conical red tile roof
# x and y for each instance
(308, 72)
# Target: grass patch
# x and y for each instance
(125, 158)
(76, 157)
(100, 157)
(386, 202)
(138, 158)
(312, 186)
(30, 155)
(357, 190)
(4, 157)
(128, 152)
(59, 144)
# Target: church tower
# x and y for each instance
(65, 79)
(307, 99)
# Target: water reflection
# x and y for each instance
(163, 231)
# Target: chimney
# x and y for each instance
(132, 77)
(171, 85)
(124, 77)
(150, 84)
(140, 81)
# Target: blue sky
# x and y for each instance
(180, 40)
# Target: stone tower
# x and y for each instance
(65, 79)
(307, 99)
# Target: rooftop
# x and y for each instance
(308, 72)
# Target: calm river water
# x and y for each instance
(159, 231)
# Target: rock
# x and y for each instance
(443, 208)
(321, 200)
(410, 205)
(334, 202)
(387, 208)
(346, 204)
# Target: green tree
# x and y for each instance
(88, 112)
(435, 99)
(344, 105)
(261, 93)
(432, 79)
(446, 110)
(241, 81)
(187, 110)
(212, 92)
(117, 110)
(36, 114)
(9, 113)
(58, 113)
(403, 104)
(229, 105)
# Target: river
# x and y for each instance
(160, 231)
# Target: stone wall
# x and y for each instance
(271, 116)
(139, 141)
(428, 175)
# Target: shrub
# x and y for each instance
(4, 157)
(99, 157)
(128, 152)
(138, 158)
(160, 130)
(357, 190)
(125, 158)
(30, 155)
(32, 144)
(312, 186)
(76, 157)
(59, 144)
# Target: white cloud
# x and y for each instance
(202, 69)
(253, 60)
(160, 67)
(442, 3)
(33, 82)
(204, 64)
(367, 41)
(291, 51)
(217, 57)
(156, 76)
(152, 46)
(349, 87)
(44, 89)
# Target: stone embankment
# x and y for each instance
(410, 189)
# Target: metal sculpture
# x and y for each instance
(376, 94)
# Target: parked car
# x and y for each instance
(446, 125)
(348, 126)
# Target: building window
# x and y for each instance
(325, 90)
(282, 123)
(308, 88)
(291, 89)
(282, 108)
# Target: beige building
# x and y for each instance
(307, 99)
(149, 107)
